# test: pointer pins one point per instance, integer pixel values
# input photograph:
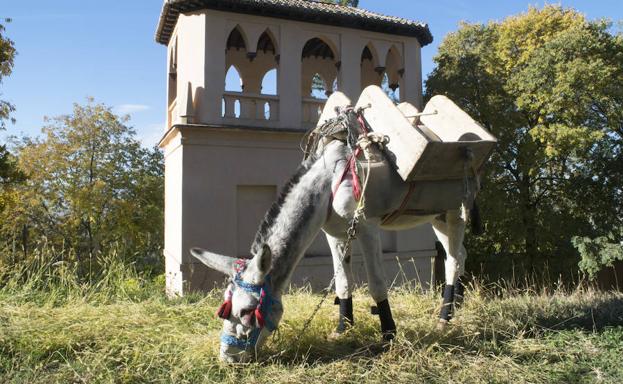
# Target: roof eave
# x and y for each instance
(171, 10)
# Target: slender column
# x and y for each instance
(413, 74)
(349, 75)
(210, 97)
(289, 79)
(191, 60)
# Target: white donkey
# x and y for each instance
(320, 197)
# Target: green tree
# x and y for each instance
(549, 84)
(7, 55)
(90, 186)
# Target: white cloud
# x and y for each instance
(128, 109)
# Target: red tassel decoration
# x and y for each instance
(224, 310)
(259, 317)
(353, 172)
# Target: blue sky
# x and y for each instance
(71, 49)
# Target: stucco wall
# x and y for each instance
(221, 172)
(211, 174)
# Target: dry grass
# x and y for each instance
(137, 335)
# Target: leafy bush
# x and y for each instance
(89, 190)
(598, 252)
(548, 83)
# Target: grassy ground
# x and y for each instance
(55, 330)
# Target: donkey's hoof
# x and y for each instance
(389, 335)
(441, 324)
(341, 330)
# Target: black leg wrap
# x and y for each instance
(459, 291)
(446, 307)
(388, 327)
(346, 314)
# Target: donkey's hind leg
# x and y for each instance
(369, 239)
(450, 231)
(343, 282)
(459, 288)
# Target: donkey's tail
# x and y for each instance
(476, 222)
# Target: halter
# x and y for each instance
(265, 304)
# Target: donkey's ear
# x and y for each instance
(221, 263)
(263, 259)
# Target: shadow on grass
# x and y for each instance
(353, 346)
(591, 318)
(593, 315)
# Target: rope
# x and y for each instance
(342, 127)
(337, 128)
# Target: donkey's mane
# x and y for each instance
(269, 219)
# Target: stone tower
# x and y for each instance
(228, 152)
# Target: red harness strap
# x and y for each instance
(352, 164)
(351, 167)
(394, 215)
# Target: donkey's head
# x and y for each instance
(250, 310)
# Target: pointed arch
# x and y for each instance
(320, 63)
(233, 80)
(371, 73)
(319, 48)
(369, 52)
(394, 60)
(268, 42)
(237, 39)
(394, 69)
(172, 81)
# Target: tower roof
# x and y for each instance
(299, 10)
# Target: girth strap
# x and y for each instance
(388, 219)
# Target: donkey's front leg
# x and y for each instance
(369, 239)
(343, 282)
(450, 231)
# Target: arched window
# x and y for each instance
(233, 81)
(231, 103)
(394, 70)
(371, 72)
(173, 72)
(235, 60)
(265, 65)
(269, 82)
(319, 68)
